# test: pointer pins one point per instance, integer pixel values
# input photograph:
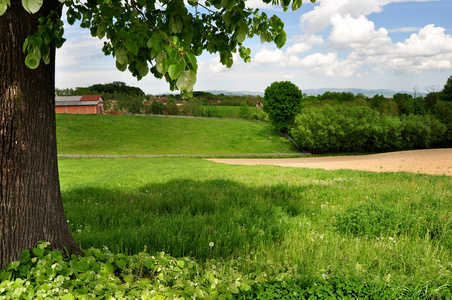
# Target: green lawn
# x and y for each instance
(392, 229)
(140, 135)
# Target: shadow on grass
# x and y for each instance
(183, 217)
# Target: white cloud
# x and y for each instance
(349, 33)
(264, 56)
(320, 17)
(403, 29)
(298, 48)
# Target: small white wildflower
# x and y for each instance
(211, 244)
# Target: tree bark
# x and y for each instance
(31, 208)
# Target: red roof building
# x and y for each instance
(86, 104)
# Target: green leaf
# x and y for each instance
(241, 36)
(121, 264)
(233, 288)
(296, 4)
(38, 251)
(176, 24)
(175, 69)
(121, 67)
(13, 265)
(100, 31)
(265, 37)
(32, 6)
(132, 47)
(67, 297)
(142, 68)
(121, 56)
(280, 39)
(4, 5)
(192, 60)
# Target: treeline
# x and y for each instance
(344, 122)
(225, 100)
(116, 90)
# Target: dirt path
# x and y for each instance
(436, 162)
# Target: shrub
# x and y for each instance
(171, 108)
(244, 110)
(338, 129)
(157, 108)
(282, 101)
(194, 107)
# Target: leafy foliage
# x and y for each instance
(166, 35)
(282, 101)
(244, 110)
(337, 129)
(446, 93)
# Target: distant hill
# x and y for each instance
(366, 92)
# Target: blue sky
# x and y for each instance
(371, 44)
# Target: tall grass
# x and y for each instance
(389, 228)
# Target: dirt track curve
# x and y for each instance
(435, 161)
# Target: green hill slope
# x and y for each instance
(144, 135)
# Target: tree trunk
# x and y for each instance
(31, 208)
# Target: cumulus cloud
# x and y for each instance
(349, 33)
(320, 17)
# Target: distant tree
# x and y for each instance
(446, 93)
(157, 107)
(193, 107)
(376, 101)
(282, 101)
(244, 111)
(171, 108)
(405, 103)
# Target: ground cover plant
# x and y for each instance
(346, 231)
(134, 135)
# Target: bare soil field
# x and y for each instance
(433, 161)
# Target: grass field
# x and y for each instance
(393, 229)
(140, 135)
(337, 231)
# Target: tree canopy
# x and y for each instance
(162, 37)
(282, 101)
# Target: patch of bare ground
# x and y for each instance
(432, 161)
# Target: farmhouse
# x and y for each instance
(86, 104)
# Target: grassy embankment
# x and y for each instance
(390, 232)
(139, 135)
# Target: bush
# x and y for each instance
(244, 110)
(157, 108)
(282, 101)
(132, 106)
(171, 108)
(342, 129)
(194, 107)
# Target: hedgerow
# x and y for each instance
(341, 129)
